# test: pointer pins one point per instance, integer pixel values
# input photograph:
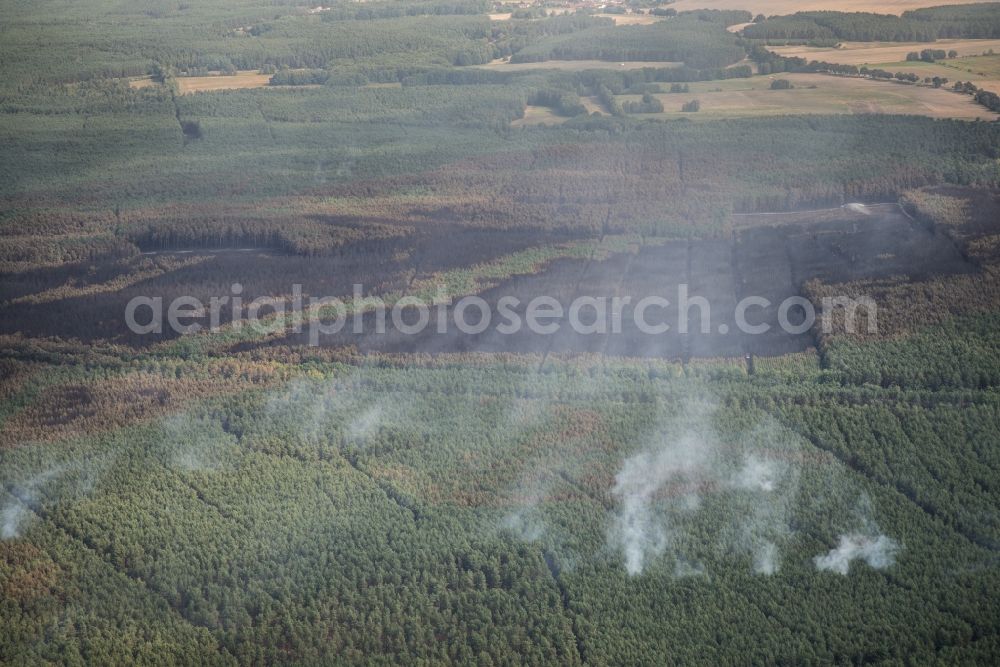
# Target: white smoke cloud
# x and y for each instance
(878, 551)
(525, 525)
(16, 512)
(13, 515)
(684, 568)
(767, 491)
(319, 410)
(366, 423)
(757, 475)
(863, 542)
(660, 492)
(765, 559)
(638, 530)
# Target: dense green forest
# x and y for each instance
(456, 512)
(975, 21)
(242, 497)
(700, 44)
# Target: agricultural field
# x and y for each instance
(631, 19)
(784, 7)
(818, 94)
(464, 344)
(505, 65)
(970, 65)
(209, 83)
(877, 53)
(240, 80)
(535, 115)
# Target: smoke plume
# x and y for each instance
(638, 530)
(674, 490)
(18, 510)
(878, 551)
(866, 543)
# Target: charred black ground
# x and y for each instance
(772, 261)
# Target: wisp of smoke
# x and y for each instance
(524, 525)
(517, 420)
(765, 558)
(767, 490)
(757, 475)
(13, 514)
(866, 543)
(858, 208)
(317, 410)
(366, 423)
(16, 512)
(636, 530)
(660, 486)
(878, 551)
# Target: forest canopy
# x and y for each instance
(974, 21)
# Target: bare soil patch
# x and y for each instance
(538, 116)
(240, 80)
(593, 104)
(141, 82)
(632, 19)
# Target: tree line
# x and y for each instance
(927, 25)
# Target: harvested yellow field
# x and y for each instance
(772, 7)
(632, 19)
(575, 65)
(501, 17)
(818, 94)
(874, 53)
(983, 71)
(537, 116)
(593, 104)
(141, 82)
(242, 79)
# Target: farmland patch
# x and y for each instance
(873, 53)
(241, 80)
(817, 94)
(785, 7)
(576, 65)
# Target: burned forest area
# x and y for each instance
(473, 332)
